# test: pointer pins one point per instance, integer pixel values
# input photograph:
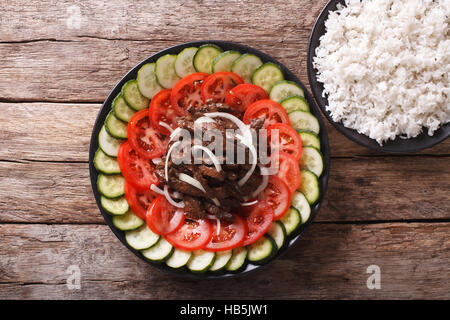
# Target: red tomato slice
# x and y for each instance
(139, 201)
(163, 218)
(231, 235)
(270, 110)
(289, 171)
(217, 85)
(243, 95)
(144, 138)
(137, 171)
(258, 218)
(187, 92)
(161, 110)
(192, 235)
(289, 140)
(278, 196)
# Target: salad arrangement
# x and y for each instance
(210, 216)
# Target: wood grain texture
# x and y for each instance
(330, 261)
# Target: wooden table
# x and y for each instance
(59, 60)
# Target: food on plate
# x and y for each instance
(199, 209)
(385, 67)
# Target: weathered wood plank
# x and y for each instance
(360, 189)
(330, 261)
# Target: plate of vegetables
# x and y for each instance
(209, 215)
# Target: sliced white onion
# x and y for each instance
(171, 201)
(204, 119)
(177, 195)
(245, 130)
(168, 157)
(210, 216)
(211, 155)
(265, 182)
(157, 160)
(193, 182)
(154, 188)
(216, 201)
(218, 227)
(246, 204)
(165, 125)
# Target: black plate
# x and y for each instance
(398, 145)
(132, 75)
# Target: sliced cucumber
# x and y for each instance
(115, 127)
(309, 139)
(262, 250)
(121, 110)
(291, 220)
(305, 121)
(165, 71)
(237, 260)
(295, 103)
(201, 260)
(300, 203)
(105, 164)
(283, 89)
(107, 143)
(277, 232)
(204, 57)
(178, 259)
(312, 160)
(160, 252)
(111, 186)
(127, 221)
(141, 238)
(222, 258)
(309, 186)
(224, 61)
(245, 65)
(133, 96)
(266, 75)
(184, 65)
(117, 206)
(146, 79)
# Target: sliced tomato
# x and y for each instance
(243, 95)
(148, 142)
(258, 217)
(288, 170)
(192, 235)
(268, 109)
(230, 235)
(162, 217)
(161, 110)
(278, 196)
(217, 85)
(139, 201)
(139, 172)
(288, 139)
(186, 92)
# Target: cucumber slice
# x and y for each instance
(201, 260)
(291, 220)
(309, 139)
(222, 259)
(224, 61)
(184, 65)
(266, 75)
(107, 143)
(309, 186)
(300, 203)
(105, 164)
(121, 110)
(283, 89)
(127, 221)
(117, 207)
(277, 232)
(133, 96)
(295, 103)
(160, 252)
(165, 71)
(262, 250)
(204, 57)
(146, 79)
(111, 186)
(115, 127)
(237, 260)
(312, 160)
(305, 121)
(141, 238)
(178, 259)
(245, 65)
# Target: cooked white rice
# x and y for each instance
(385, 66)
